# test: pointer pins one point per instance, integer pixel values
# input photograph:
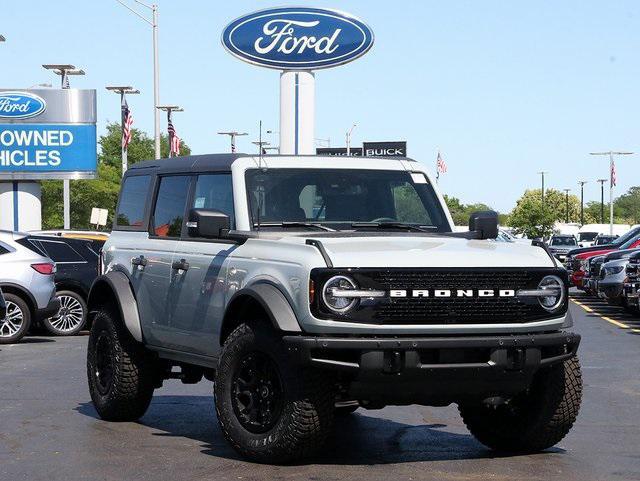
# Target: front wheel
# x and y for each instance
(534, 420)
(269, 409)
(119, 369)
(70, 318)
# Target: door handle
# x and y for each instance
(181, 265)
(139, 261)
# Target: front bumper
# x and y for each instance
(611, 290)
(434, 370)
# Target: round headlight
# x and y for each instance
(555, 299)
(338, 303)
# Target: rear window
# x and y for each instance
(133, 199)
(59, 251)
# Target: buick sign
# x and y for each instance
(20, 105)
(297, 38)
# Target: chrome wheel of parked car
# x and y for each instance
(71, 317)
(13, 321)
(17, 321)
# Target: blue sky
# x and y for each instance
(504, 89)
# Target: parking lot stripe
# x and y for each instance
(608, 319)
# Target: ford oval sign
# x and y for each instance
(20, 105)
(297, 38)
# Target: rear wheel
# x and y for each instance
(16, 323)
(269, 409)
(119, 369)
(534, 420)
(71, 316)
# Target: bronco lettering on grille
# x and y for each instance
(444, 293)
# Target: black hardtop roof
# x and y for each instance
(216, 162)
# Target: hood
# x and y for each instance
(620, 254)
(587, 255)
(582, 250)
(428, 251)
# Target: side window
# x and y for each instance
(170, 205)
(61, 252)
(214, 191)
(133, 198)
(3, 250)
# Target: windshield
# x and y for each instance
(338, 198)
(587, 236)
(631, 234)
(563, 241)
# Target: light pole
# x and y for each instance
(261, 144)
(169, 109)
(602, 182)
(582, 182)
(233, 134)
(542, 174)
(123, 91)
(64, 70)
(156, 66)
(566, 200)
(612, 181)
(348, 139)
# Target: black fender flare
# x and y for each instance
(116, 284)
(274, 303)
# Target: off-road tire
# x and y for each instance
(72, 332)
(26, 319)
(127, 396)
(532, 421)
(307, 401)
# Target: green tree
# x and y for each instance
(460, 212)
(530, 218)
(627, 207)
(102, 191)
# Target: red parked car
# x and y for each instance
(577, 263)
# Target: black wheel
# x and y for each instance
(119, 369)
(71, 317)
(16, 323)
(534, 420)
(269, 409)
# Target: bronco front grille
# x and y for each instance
(438, 310)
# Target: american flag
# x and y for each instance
(613, 173)
(441, 165)
(174, 140)
(127, 122)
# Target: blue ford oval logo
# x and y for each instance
(301, 38)
(20, 105)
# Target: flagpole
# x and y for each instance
(612, 181)
(124, 149)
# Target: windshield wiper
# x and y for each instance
(392, 225)
(287, 225)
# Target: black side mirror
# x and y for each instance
(485, 223)
(208, 223)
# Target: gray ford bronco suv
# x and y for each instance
(307, 287)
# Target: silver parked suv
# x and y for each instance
(308, 287)
(26, 278)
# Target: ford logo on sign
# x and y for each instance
(291, 38)
(20, 105)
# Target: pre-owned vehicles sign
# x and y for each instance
(47, 133)
(297, 38)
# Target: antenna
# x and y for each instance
(260, 186)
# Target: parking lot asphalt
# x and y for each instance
(50, 431)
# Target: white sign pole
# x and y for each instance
(297, 113)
